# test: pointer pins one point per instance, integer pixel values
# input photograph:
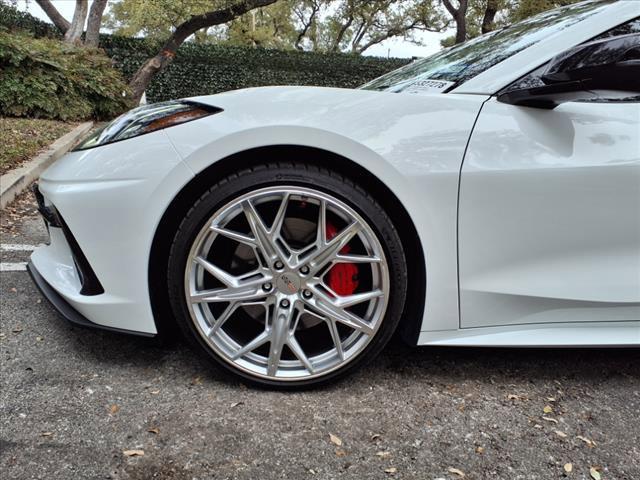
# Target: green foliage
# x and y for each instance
(45, 78)
(13, 19)
(202, 69)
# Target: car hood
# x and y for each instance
(297, 101)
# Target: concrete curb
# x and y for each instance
(15, 181)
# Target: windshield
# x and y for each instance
(457, 64)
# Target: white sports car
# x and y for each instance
(488, 195)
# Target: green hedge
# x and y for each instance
(46, 78)
(201, 69)
(14, 19)
(206, 69)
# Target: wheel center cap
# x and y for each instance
(288, 283)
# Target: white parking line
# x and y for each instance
(13, 266)
(17, 247)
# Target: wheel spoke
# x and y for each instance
(342, 258)
(347, 301)
(252, 345)
(238, 237)
(299, 353)
(235, 288)
(335, 336)
(217, 272)
(223, 317)
(327, 307)
(278, 221)
(260, 232)
(329, 251)
(245, 292)
(279, 336)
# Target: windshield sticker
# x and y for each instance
(428, 86)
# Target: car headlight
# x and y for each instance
(147, 119)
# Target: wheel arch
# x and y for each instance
(411, 322)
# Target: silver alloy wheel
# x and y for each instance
(286, 284)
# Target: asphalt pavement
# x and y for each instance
(83, 404)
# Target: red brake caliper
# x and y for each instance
(343, 277)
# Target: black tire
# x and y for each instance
(303, 175)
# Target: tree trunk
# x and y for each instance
(53, 14)
(155, 65)
(93, 24)
(460, 17)
(489, 15)
(74, 33)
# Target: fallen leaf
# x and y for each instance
(312, 471)
(133, 453)
(383, 454)
(390, 470)
(154, 430)
(549, 419)
(456, 471)
(14, 289)
(511, 396)
(547, 409)
(537, 426)
(235, 404)
(591, 443)
(154, 392)
(568, 467)
(39, 339)
(560, 434)
(340, 452)
(375, 437)
(480, 450)
(595, 474)
(335, 439)
(113, 409)
(46, 434)
(551, 399)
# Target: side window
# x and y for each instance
(532, 79)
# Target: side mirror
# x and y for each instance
(609, 67)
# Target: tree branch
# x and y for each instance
(165, 56)
(54, 15)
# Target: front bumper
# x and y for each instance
(65, 310)
(107, 202)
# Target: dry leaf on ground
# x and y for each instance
(591, 443)
(560, 434)
(383, 454)
(133, 453)
(568, 467)
(335, 439)
(153, 430)
(547, 409)
(595, 474)
(456, 471)
(390, 470)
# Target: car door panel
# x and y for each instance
(549, 215)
